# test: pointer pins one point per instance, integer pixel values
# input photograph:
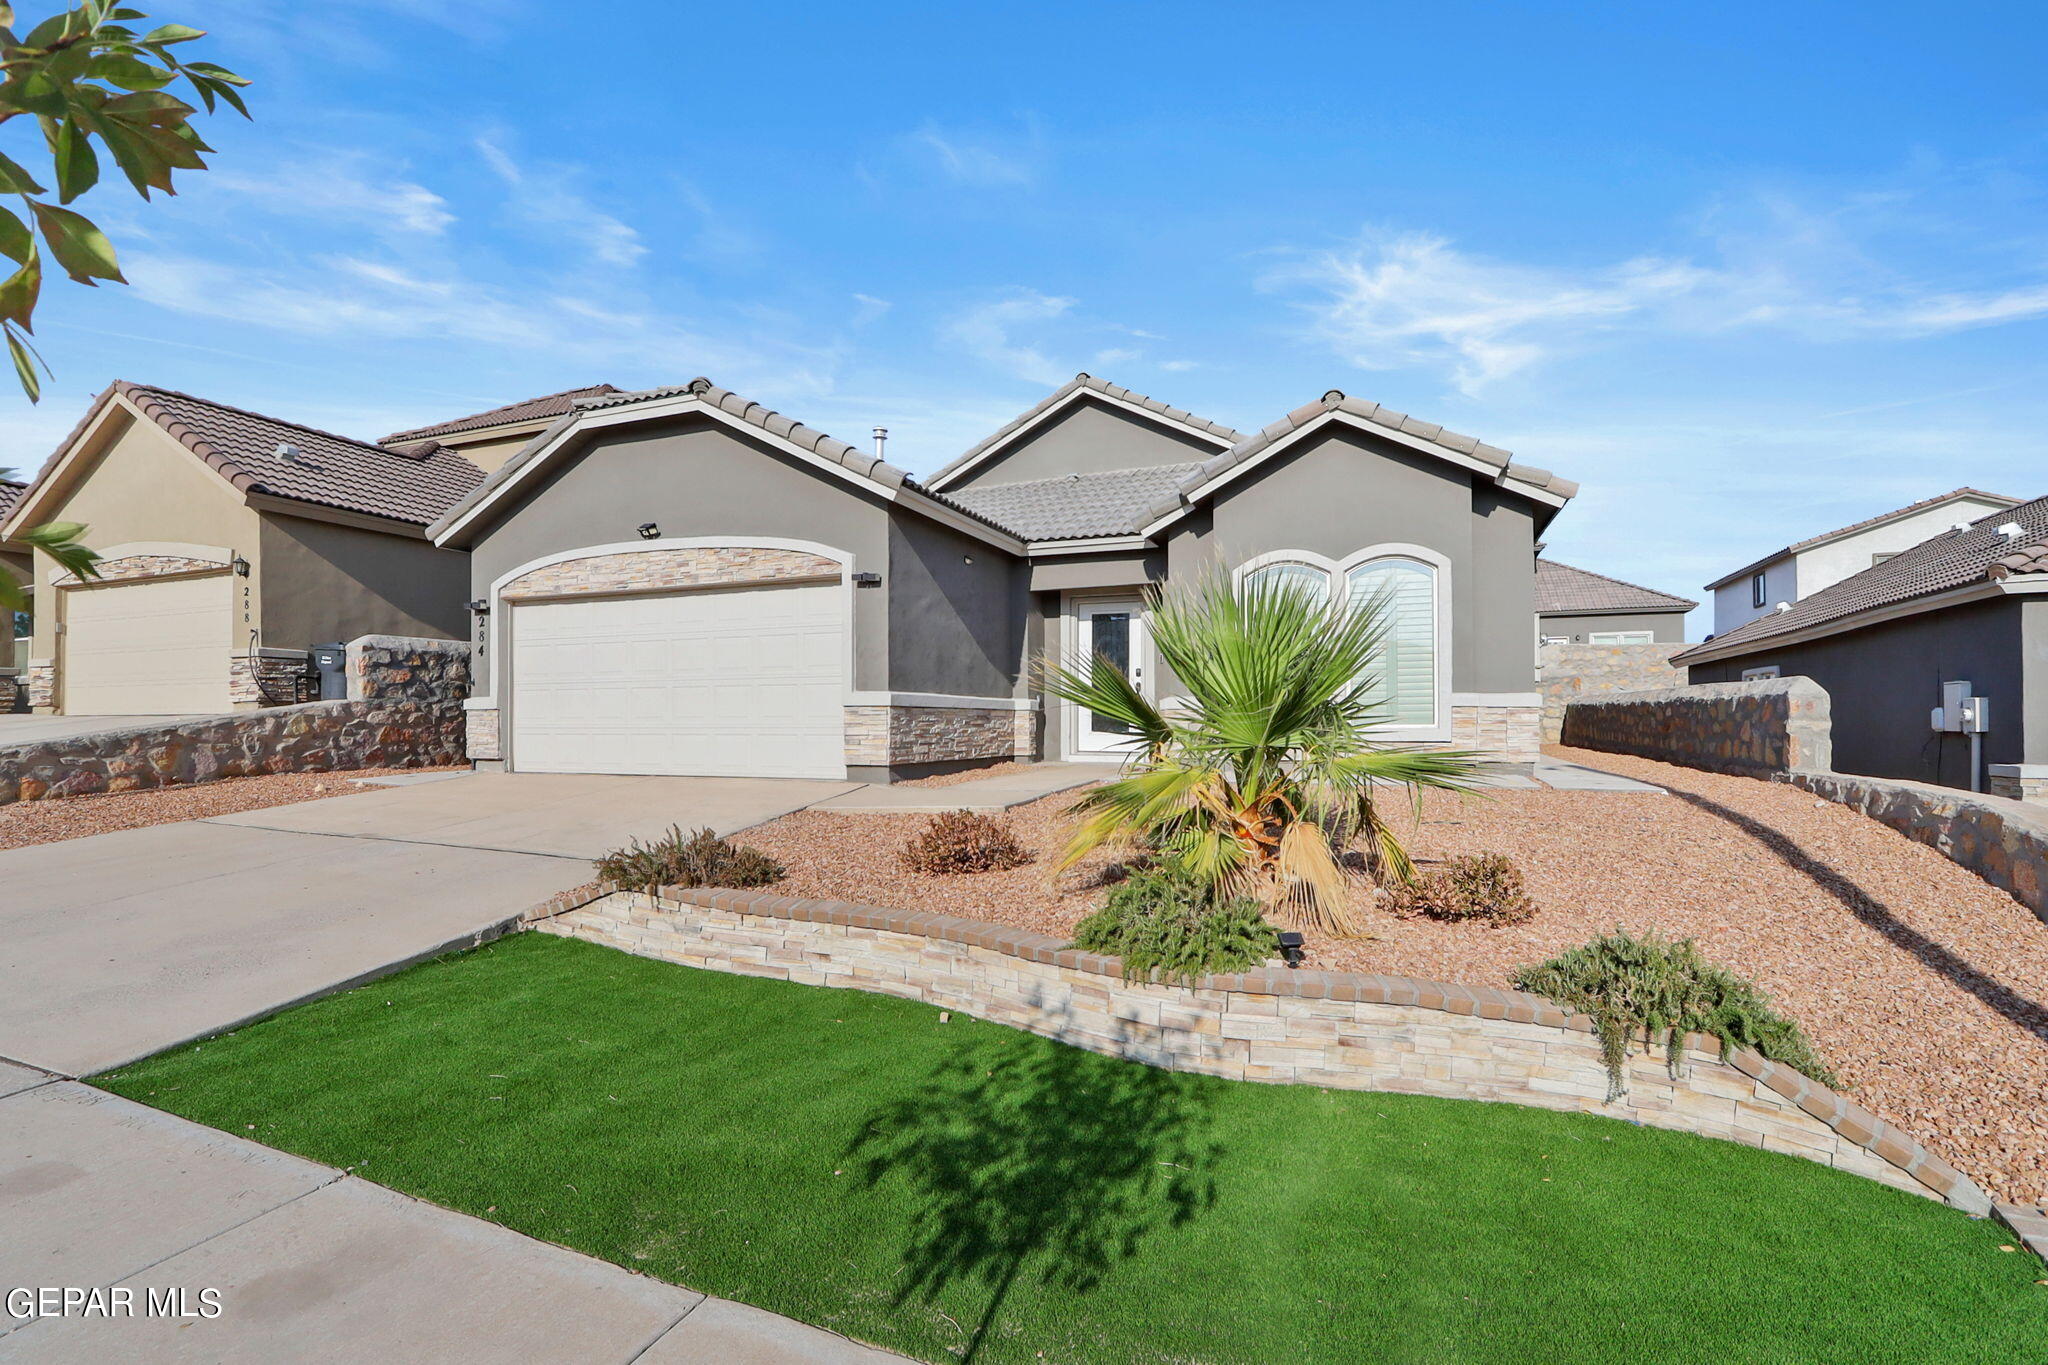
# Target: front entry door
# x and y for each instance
(1115, 629)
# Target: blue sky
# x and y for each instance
(1746, 272)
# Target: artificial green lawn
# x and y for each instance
(958, 1188)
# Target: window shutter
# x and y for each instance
(1404, 687)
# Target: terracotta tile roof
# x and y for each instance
(1952, 559)
(1807, 544)
(1080, 382)
(1561, 588)
(10, 494)
(250, 451)
(526, 410)
(1337, 401)
(1110, 503)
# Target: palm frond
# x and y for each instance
(60, 541)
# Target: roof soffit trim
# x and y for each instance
(550, 445)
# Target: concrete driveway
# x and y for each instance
(18, 729)
(120, 945)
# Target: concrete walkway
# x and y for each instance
(990, 793)
(310, 1263)
(1577, 777)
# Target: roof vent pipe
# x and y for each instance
(2012, 530)
(881, 437)
(289, 453)
(1784, 606)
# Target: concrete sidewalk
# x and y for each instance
(990, 793)
(310, 1263)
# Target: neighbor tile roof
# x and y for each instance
(1337, 401)
(330, 470)
(1807, 544)
(10, 494)
(1561, 588)
(526, 410)
(1084, 381)
(1104, 504)
(1951, 559)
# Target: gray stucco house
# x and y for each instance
(1967, 605)
(1579, 607)
(682, 581)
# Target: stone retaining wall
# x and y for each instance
(1567, 672)
(1758, 729)
(2003, 841)
(404, 711)
(1334, 1029)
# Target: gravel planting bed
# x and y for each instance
(73, 817)
(1925, 987)
(968, 775)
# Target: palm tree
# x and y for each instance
(1259, 778)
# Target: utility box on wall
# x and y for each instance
(1960, 713)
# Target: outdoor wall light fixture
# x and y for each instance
(1290, 946)
(649, 531)
(867, 580)
(480, 607)
(241, 567)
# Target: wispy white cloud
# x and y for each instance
(545, 198)
(983, 161)
(868, 309)
(1398, 299)
(989, 332)
(339, 187)
(1179, 366)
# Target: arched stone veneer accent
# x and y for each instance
(1341, 1030)
(660, 570)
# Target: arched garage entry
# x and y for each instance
(684, 657)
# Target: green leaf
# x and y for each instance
(80, 247)
(130, 73)
(78, 169)
(18, 293)
(62, 541)
(15, 179)
(172, 33)
(235, 101)
(16, 241)
(219, 73)
(34, 93)
(24, 368)
(51, 29)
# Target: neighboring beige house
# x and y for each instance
(488, 439)
(1803, 569)
(14, 561)
(230, 543)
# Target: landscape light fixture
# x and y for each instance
(1290, 946)
(649, 531)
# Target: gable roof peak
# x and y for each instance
(1081, 384)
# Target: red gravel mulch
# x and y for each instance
(1923, 986)
(73, 817)
(968, 775)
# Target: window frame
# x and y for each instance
(1636, 637)
(1759, 588)
(1339, 580)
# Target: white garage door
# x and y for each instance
(148, 648)
(745, 683)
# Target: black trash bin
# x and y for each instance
(330, 665)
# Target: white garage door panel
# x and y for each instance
(719, 684)
(148, 648)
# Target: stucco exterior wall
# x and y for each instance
(318, 581)
(1732, 606)
(957, 606)
(488, 454)
(1824, 565)
(144, 487)
(1088, 437)
(1885, 678)
(1341, 491)
(694, 477)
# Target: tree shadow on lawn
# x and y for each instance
(1874, 913)
(1044, 1154)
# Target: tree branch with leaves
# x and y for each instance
(94, 84)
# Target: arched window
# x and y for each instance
(1405, 685)
(1291, 571)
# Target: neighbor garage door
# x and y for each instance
(149, 648)
(742, 683)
